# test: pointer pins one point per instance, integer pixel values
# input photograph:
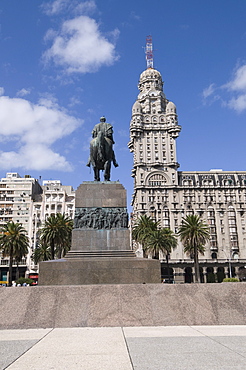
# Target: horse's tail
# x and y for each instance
(100, 138)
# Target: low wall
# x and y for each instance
(123, 305)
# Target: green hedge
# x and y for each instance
(23, 280)
(230, 280)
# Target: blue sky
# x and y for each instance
(65, 63)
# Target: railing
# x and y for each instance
(5, 262)
(203, 260)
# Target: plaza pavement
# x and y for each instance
(125, 348)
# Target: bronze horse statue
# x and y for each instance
(101, 150)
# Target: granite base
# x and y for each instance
(106, 270)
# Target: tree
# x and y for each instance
(141, 230)
(194, 234)
(57, 234)
(14, 244)
(21, 251)
(162, 240)
(41, 253)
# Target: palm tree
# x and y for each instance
(41, 253)
(194, 234)
(141, 230)
(21, 251)
(14, 244)
(56, 233)
(162, 240)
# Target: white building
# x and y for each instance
(167, 195)
(17, 195)
(23, 200)
(55, 198)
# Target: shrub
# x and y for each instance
(230, 280)
(23, 280)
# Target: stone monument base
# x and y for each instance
(101, 251)
(99, 270)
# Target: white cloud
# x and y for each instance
(135, 16)
(238, 83)
(80, 47)
(34, 128)
(76, 6)
(208, 91)
(23, 92)
(74, 101)
(54, 7)
(1, 91)
(236, 88)
(86, 7)
(238, 104)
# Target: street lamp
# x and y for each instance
(229, 262)
(230, 270)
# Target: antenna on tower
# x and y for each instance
(149, 52)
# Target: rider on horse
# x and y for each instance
(105, 128)
(101, 151)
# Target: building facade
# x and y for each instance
(168, 195)
(24, 200)
(17, 195)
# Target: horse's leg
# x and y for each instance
(113, 158)
(107, 168)
(96, 174)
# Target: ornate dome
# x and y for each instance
(136, 108)
(150, 79)
(171, 108)
(150, 73)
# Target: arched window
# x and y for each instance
(157, 180)
(228, 182)
(187, 182)
(207, 182)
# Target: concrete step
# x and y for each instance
(101, 253)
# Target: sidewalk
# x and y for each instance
(140, 348)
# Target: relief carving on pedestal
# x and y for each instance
(100, 218)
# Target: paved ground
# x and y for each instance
(140, 348)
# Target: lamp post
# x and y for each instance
(229, 263)
(230, 269)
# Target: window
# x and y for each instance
(157, 180)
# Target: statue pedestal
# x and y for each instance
(100, 252)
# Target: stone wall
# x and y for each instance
(123, 305)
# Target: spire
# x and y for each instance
(149, 52)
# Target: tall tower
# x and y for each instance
(167, 195)
(153, 130)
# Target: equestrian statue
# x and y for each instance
(101, 150)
